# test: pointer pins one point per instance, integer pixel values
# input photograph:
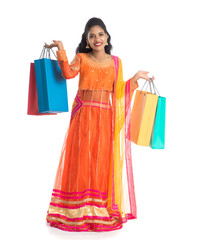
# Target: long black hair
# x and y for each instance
(82, 45)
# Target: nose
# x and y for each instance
(96, 38)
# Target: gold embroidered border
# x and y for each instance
(90, 62)
(79, 212)
(106, 222)
(58, 200)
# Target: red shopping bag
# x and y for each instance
(32, 108)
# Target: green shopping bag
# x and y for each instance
(157, 140)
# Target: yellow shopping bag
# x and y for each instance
(142, 117)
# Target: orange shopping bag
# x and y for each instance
(142, 116)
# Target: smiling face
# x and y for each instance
(97, 38)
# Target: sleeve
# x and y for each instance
(68, 70)
(134, 85)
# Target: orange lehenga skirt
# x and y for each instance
(79, 198)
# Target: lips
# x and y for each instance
(98, 44)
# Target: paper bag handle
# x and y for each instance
(153, 86)
(45, 52)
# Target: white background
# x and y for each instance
(156, 36)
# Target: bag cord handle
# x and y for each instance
(153, 85)
(45, 52)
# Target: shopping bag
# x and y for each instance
(32, 106)
(158, 133)
(142, 117)
(51, 85)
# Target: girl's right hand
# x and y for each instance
(55, 43)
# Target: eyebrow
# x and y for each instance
(93, 33)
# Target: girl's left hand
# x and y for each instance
(142, 74)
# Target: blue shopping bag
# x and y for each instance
(157, 140)
(51, 86)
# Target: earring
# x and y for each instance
(107, 43)
(87, 45)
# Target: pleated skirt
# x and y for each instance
(79, 197)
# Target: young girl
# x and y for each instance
(94, 188)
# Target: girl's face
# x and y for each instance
(97, 38)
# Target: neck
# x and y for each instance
(99, 55)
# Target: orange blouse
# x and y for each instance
(93, 75)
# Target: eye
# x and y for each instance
(101, 34)
(91, 36)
